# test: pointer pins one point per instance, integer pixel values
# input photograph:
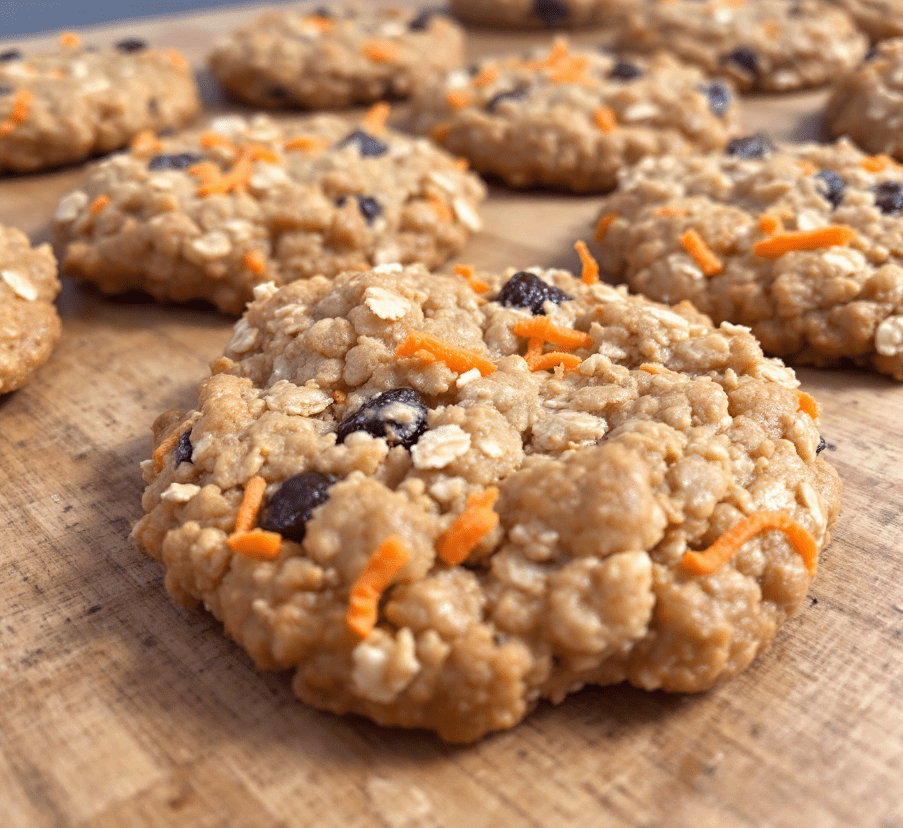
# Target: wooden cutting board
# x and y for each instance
(119, 708)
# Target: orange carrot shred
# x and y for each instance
(534, 351)
(363, 601)
(650, 368)
(605, 119)
(781, 243)
(877, 163)
(21, 105)
(671, 211)
(808, 404)
(694, 245)
(375, 119)
(256, 543)
(320, 23)
(770, 224)
(166, 445)
(807, 167)
(210, 140)
(441, 208)
(468, 272)
(590, 273)
(70, 39)
(381, 51)
(339, 397)
(458, 98)
(470, 527)
(205, 170)
(145, 143)
(772, 29)
(572, 70)
(440, 132)
(462, 164)
(253, 497)
(545, 329)
(99, 203)
(552, 359)
(486, 75)
(603, 224)
(722, 550)
(458, 359)
(236, 179)
(255, 261)
(177, 60)
(308, 143)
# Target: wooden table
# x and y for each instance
(119, 708)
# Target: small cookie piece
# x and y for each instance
(867, 103)
(535, 14)
(438, 508)
(804, 244)
(765, 45)
(29, 324)
(65, 106)
(210, 215)
(320, 58)
(879, 19)
(571, 118)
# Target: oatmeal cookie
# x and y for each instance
(535, 14)
(763, 45)
(571, 118)
(210, 215)
(879, 19)
(29, 324)
(867, 103)
(319, 58)
(439, 506)
(804, 244)
(65, 106)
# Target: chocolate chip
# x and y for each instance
(719, 97)
(513, 94)
(889, 197)
(398, 415)
(131, 44)
(293, 503)
(821, 445)
(183, 449)
(370, 208)
(367, 145)
(526, 290)
(178, 161)
(831, 186)
(11, 54)
(746, 59)
(625, 71)
(752, 146)
(551, 11)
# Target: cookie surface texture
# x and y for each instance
(65, 106)
(802, 243)
(879, 19)
(210, 215)
(571, 118)
(533, 14)
(29, 324)
(471, 502)
(867, 104)
(766, 45)
(321, 58)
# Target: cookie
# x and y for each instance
(571, 118)
(867, 104)
(319, 58)
(803, 244)
(29, 324)
(534, 14)
(879, 19)
(65, 106)
(210, 215)
(439, 506)
(766, 45)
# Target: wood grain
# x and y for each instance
(119, 708)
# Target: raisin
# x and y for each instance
(5, 90)
(277, 92)
(551, 11)
(422, 20)
(367, 145)
(746, 59)
(183, 449)
(512, 94)
(153, 107)
(821, 445)
(625, 71)
(526, 290)
(889, 197)
(830, 186)
(871, 54)
(293, 503)
(398, 415)
(131, 44)
(370, 208)
(179, 161)
(752, 146)
(719, 97)
(11, 54)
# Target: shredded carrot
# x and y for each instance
(177, 59)
(807, 167)
(21, 105)
(572, 70)
(261, 153)
(558, 52)
(375, 119)
(70, 39)
(166, 445)
(462, 164)
(339, 397)
(671, 211)
(772, 29)
(603, 224)
(534, 351)
(99, 203)
(486, 75)
(145, 143)
(808, 404)
(545, 329)
(440, 132)
(381, 51)
(205, 170)
(236, 179)
(470, 527)
(650, 368)
(441, 208)
(605, 119)
(877, 163)
(211, 140)
(468, 272)
(458, 359)
(694, 245)
(320, 23)
(722, 550)
(250, 504)
(590, 274)
(546, 362)
(458, 98)
(255, 261)
(256, 543)
(363, 602)
(309, 143)
(770, 224)
(781, 243)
